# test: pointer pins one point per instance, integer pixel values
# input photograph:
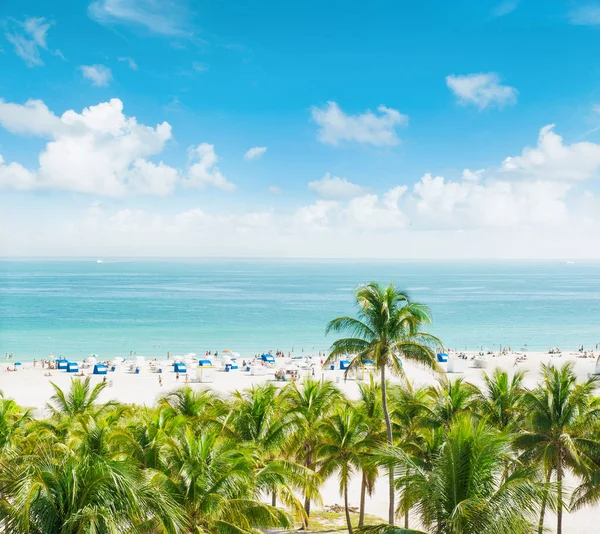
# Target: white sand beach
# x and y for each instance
(31, 388)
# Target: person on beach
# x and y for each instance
(168, 355)
(187, 380)
(176, 375)
(160, 380)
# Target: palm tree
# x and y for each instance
(555, 435)
(453, 397)
(502, 400)
(388, 328)
(463, 491)
(369, 406)
(56, 491)
(411, 416)
(344, 441)
(214, 479)
(257, 418)
(310, 404)
(201, 407)
(12, 420)
(81, 399)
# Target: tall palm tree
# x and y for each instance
(411, 416)
(369, 406)
(344, 441)
(463, 490)
(310, 404)
(555, 435)
(388, 327)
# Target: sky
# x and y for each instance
(338, 129)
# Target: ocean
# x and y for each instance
(74, 308)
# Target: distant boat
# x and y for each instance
(99, 261)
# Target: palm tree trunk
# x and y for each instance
(274, 499)
(363, 494)
(388, 427)
(544, 501)
(559, 481)
(348, 521)
(307, 463)
(406, 507)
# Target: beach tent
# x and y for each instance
(62, 364)
(18, 364)
(344, 364)
(231, 365)
(72, 367)
(205, 373)
(179, 368)
(203, 363)
(267, 358)
(100, 369)
(442, 357)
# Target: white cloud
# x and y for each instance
(205, 172)
(368, 127)
(553, 160)
(275, 190)
(28, 38)
(335, 188)
(99, 150)
(256, 152)
(316, 216)
(33, 118)
(468, 205)
(167, 17)
(15, 176)
(505, 8)
(481, 90)
(130, 62)
(99, 75)
(102, 151)
(585, 15)
(371, 212)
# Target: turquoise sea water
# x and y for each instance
(79, 307)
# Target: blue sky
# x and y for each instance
(355, 103)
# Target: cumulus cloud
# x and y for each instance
(99, 75)
(28, 38)
(482, 90)
(315, 216)
(256, 152)
(553, 160)
(372, 212)
(467, 204)
(130, 62)
(205, 172)
(167, 17)
(334, 188)
(585, 15)
(368, 127)
(32, 118)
